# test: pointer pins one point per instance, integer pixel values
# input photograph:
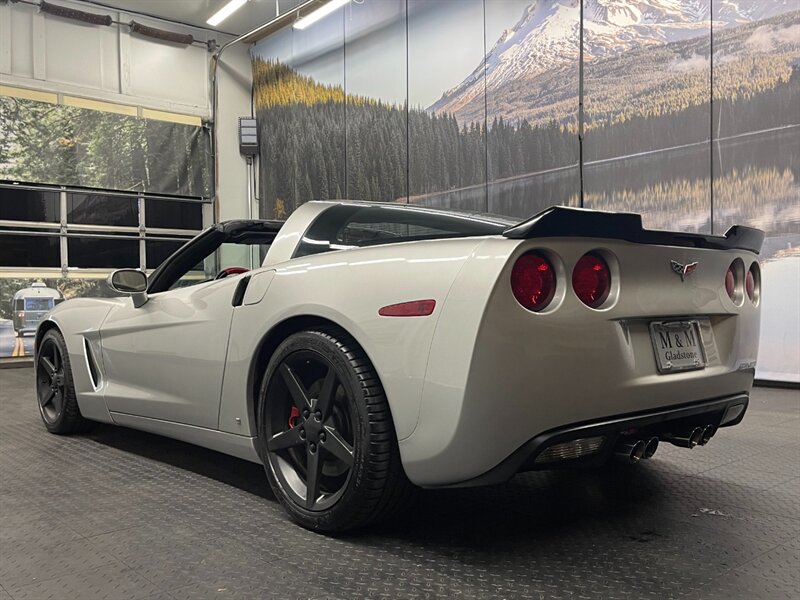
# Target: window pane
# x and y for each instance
(171, 214)
(29, 251)
(29, 205)
(346, 226)
(38, 303)
(159, 251)
(103, 253)
(97, 209)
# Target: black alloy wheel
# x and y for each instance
(326, 434)
(309, 431)
(50, 381)
(55, 391)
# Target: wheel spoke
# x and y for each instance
(58, 401)
(48, 397)
(313, 468)
(285, 439)
(56, 358)
(296, 389)
(335, 445)
(325, 399)
(51, 368)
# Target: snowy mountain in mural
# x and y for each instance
(546, 38)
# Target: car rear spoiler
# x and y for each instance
(562, 221)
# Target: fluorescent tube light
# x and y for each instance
(226, 11)
(318, 14)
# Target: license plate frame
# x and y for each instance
(673, 337)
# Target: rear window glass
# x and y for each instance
(349, 226)
(38, 303)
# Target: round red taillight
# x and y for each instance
(591, 280)
(533, 281)
(730, 282)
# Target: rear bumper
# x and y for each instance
(720, 412)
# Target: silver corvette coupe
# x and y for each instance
(382, 347)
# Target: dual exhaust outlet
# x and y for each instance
(699, 436)
(633, 450)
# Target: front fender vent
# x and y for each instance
(94, 372)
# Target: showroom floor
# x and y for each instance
(123, 514)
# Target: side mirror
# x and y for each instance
(130, 281)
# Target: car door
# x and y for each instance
(166, 359)
(164, 351)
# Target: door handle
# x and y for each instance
(238, 293)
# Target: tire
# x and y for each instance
(55, 390)
(339, 414)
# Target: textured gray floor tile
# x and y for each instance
(781, 564)
(161, 519)
(104, 583)
(748, 477)
(736, 521)
(250, 585)
(24, 563)
(734, 585)
(710, 492)
(784, 460)
(23, 522)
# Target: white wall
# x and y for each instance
(235, 86)
(45, 52)
(48, 53)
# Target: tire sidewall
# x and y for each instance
(349, 504)
(59, 425)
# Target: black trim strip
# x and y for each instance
(206, 242)
(562, 221)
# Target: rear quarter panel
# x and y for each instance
(348, 288)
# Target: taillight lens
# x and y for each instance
(730, 282)
(533, 281)
(591, 280)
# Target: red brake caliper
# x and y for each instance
(293, 416)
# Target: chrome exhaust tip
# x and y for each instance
(688, 440)
(650, 447)
(630, 452)
(696, 436)
(708, 433)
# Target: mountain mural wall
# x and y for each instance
(690, 116)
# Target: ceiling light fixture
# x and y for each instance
(318, 14)
(225, 12)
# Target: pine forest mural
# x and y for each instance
(66, 145)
